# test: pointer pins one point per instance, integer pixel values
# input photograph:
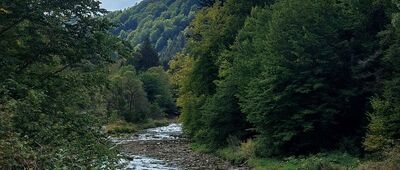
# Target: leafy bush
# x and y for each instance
(390, 160)
(232, 154)
(236, 152)
(248, 149)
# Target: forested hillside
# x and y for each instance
(263, 84)
(162, 21)
(280, 78)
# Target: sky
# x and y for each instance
(113, 5)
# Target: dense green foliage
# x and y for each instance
(298, 76)
(384, 129)
(304, 79)
(275, 78)
(138, 95)
(139, 89)
(127, 96)
(159, 91)
(62, 77)
(205, 118)
(52, 78)
(163, 21)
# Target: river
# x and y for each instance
(143, 162)
(164, 148)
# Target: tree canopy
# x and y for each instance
(298, 76)
(51, 68)
(164, 22)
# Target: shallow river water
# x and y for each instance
(142, 162)
(145, 163)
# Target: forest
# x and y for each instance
(270, 84)
(163, 22)
(282, 78)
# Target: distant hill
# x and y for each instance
(164, 21)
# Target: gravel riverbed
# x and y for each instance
(164, 148)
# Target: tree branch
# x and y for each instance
(11, 26)
(62, 69)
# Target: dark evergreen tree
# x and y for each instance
(147, 57)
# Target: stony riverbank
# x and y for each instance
(165, 148)
(177, 152)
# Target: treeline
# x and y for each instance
(139, 88)
(164, 22)
(63, 76)
(297, 76)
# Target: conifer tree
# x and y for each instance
(147, 57)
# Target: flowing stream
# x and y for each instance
(142, 162)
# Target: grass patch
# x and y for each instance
(231, 154)
(154, 123)
(322, 161)
(122, 127)
(260, 164)
(244, 152)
